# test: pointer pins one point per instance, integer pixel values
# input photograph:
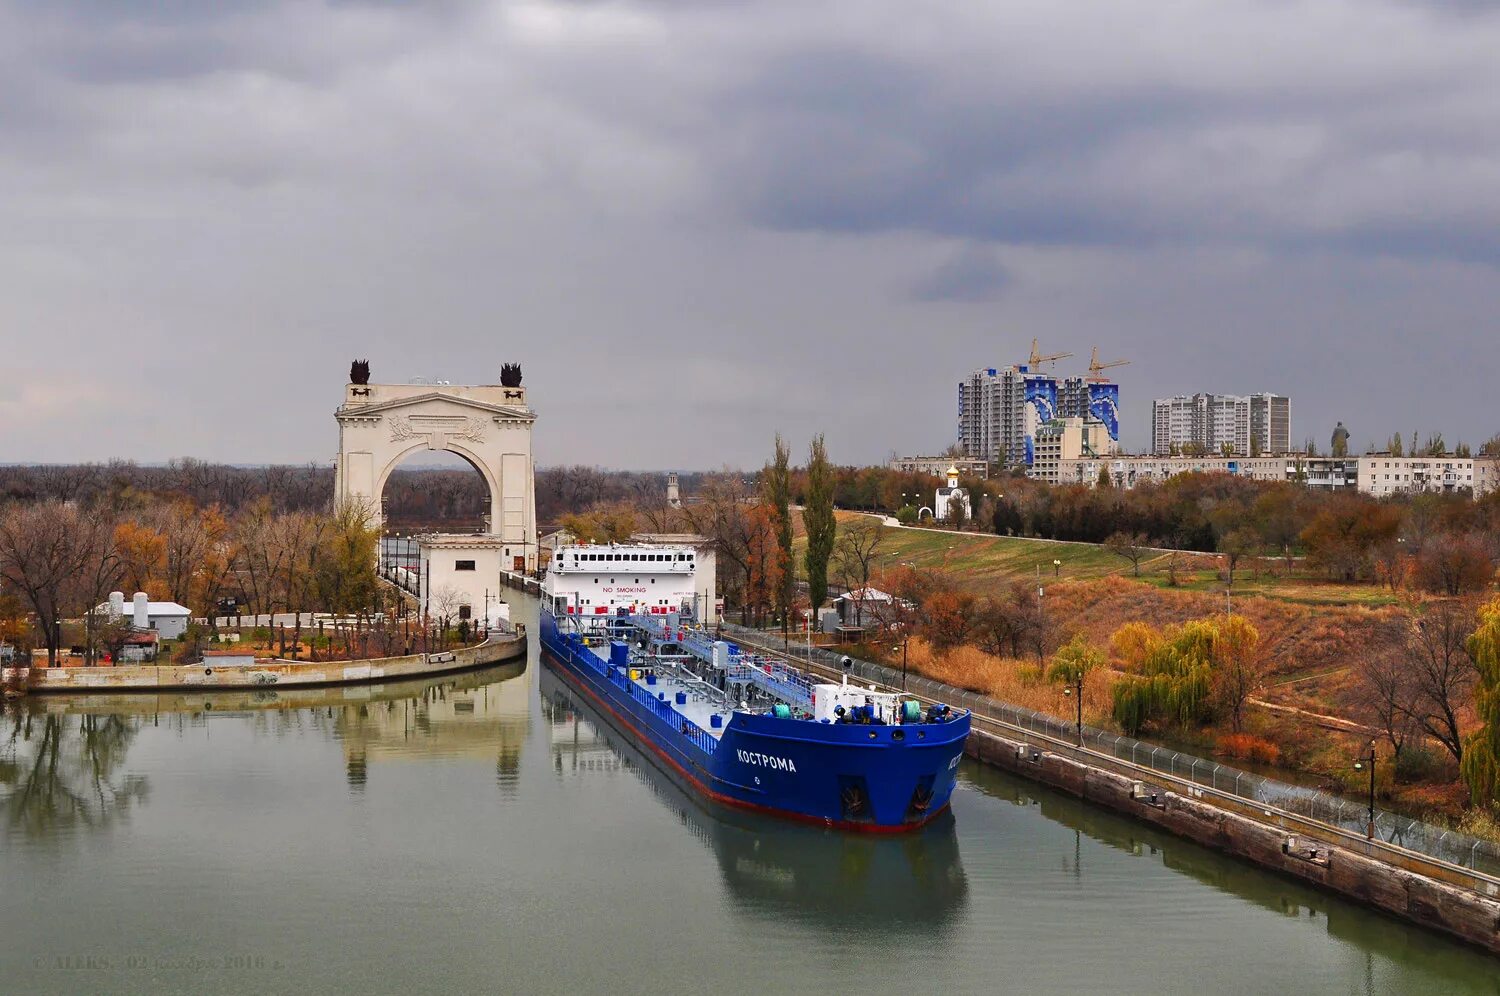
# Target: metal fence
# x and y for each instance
(1445, 845)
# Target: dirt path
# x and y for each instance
(1318, 719)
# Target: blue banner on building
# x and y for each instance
(1104, 405)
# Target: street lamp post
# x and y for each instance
(905, 638)
(1056, 567)
(1075, 689)
(1368, 763)
(809, 635)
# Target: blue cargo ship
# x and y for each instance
(738, 728)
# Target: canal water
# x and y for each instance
(486, 832)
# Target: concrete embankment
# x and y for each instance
(1451, 909)
(273, 673)
(1415, 887)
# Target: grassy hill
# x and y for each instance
(979, 562)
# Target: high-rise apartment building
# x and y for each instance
(992, 415)
(1000, 411)
(1214, 423)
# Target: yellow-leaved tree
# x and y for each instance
(1481, 760)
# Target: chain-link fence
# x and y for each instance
(1446, 845)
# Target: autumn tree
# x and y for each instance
(143, 556)
(1012, 622)
(1481, 760)
(1239, 666)
(1173, 679)
(1074, 660)
(1454, 565)
(819, 522)
(1345, 530)
(948, 617)
(189, 536)
(344, 573)
(1236, 545)
(763, 587)
(602, 524)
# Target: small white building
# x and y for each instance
(863, 606)
(168, 619)
(951, 497)
(458, 577)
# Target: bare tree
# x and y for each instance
(40, 556)
(1387, 694)
(854, 555)
(1440, 669)
(101, 570)
(721, 514)
(1131, 546)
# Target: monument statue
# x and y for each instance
(359, 372)
(510, 375)
(1340, 441)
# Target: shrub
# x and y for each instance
(1247, 747)
(1417, 764)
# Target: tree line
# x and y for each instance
(61, 559)
(416, 496)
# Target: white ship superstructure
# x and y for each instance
(590, 580)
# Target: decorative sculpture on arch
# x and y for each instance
(359, 372)
(510, 375)
(401, 429)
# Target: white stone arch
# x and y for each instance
(489, 426)
(449, 446)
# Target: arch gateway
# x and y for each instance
(488, 425)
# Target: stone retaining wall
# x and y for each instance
(1451, 909)
(272, 673)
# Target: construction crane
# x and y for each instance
(1037, 358)
(1095, 367)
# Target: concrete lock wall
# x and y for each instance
(273, 673)
(1451, 909)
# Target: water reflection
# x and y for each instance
(63, 756)
(774, 868)
(62, 772)
(479, 714)
(1351, 924)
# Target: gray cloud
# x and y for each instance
(684, 218)
(974, 273)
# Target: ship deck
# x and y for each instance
(703, 700)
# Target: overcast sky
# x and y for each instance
(696, 223)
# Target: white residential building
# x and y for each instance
(1068, 439)
(1243, 424)
(1384, 474)
(937, 466)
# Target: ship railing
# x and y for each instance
(663, 710)
(781, 681)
